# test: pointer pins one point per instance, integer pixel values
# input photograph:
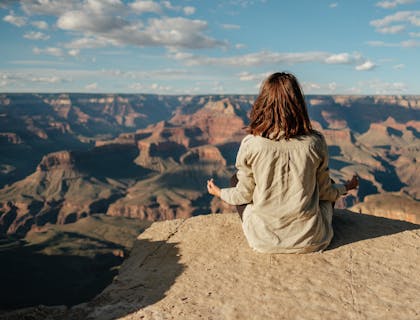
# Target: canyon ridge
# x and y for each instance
(67, 156)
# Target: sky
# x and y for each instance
(209, 46)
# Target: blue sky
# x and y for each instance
(199, 47)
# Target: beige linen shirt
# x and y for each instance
(288, 189)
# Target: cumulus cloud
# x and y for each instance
(252, 59)
(403, 44)
(73, 52)
(40, 24)
(341, 58)
(230, 26)
(90, 43)
(412, 17)
(379, 43)
(333, 5)
(51, 79)
(368, 65)
(189, 10)
(399, 66)
(152, 88)
(36, 35)
(83, 21)
(140, 6)
(325, 88)
(49, 7)
(117, 23)
(410, 43)
(101, 22)
(52, 51)
(268, 57)
(382, 87)
(7, 3)
(15, 20)
(29, 77)
(393, 3)
(91, 86)
(391, 30)
(247, 76)
(414, 34)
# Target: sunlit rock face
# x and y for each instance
(65, 156)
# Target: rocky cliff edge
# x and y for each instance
(203, 268)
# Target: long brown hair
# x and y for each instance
(280, 109)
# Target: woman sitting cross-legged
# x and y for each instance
(283, 182)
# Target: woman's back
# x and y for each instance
(280, 181)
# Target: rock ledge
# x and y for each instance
(202, 268)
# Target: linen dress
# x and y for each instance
(288, 189)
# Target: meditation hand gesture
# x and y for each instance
(353, 183)
(212, 188)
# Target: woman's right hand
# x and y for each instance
(212, 188)
(353, 183)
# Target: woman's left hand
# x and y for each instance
(212, 188)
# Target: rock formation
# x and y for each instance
(153, 153)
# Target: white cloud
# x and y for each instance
(30, 77)
(159, 88)
(341, 58)
(36, 35)
(87, 22)
(116, 23)
(49, 7)
(403, 44)
(412, 17)
(252, 59)
(168, 5)
(391, 30)
(15, 20)
(378, 43)
(392, 3)
(189, 10)
(140, 6)
(101, 22)
(333, 5)
(332, 86)
(52, 51)
(89, 43)
(247, 76)
(410, 43)
(230, 26)
(399, 66)
(414, 34)
(269, 58)
(91, 86)
(320, 88)
(136, 86)
(368, 65)
(381, 87)
(240, 46)
(309, 86)
(51, 79)
(40, 24)
(73, 52)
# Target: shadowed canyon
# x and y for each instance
(67, 156)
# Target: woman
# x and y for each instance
(283, 178)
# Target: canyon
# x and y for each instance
(64, 157)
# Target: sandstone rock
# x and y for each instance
(203, 268)
(393, 206)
